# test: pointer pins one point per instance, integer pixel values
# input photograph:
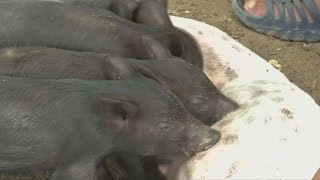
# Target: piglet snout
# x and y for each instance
(204, 139)
(209, 140)
(223, 107)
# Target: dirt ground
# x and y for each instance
(300, 61)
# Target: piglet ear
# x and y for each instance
(117, 111)
(155, 49)
(148, 71)
(124, 9)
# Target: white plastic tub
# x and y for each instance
(276, 131)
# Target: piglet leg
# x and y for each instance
(83, 169)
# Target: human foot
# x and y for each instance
(259, 8)
(295, 20)
(255, 7)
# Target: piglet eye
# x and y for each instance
(196, 100)
(198, 104)
(165, 127)
(124, 117)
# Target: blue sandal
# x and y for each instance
(287, 28)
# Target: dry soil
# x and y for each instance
(300, 61)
